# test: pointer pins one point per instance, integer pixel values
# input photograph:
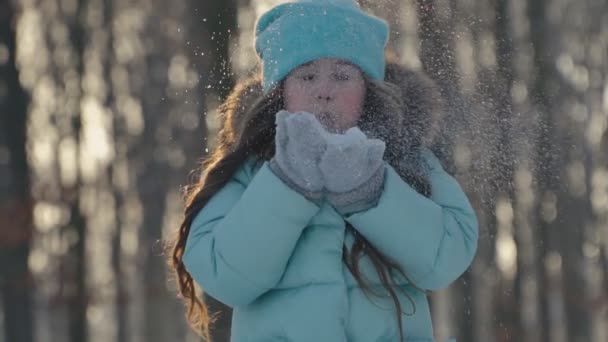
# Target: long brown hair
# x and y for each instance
(248, 129)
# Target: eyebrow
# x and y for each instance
(339, 62)
(347, 63)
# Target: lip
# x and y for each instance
(325, 117)
(327, 120)
(328, 115)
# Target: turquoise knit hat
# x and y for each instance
(294, 33)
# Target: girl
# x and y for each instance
(321, 215)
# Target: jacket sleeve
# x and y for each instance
(433, 239)
(240, 242)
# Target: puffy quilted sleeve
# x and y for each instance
(433, 239)
(240, 242)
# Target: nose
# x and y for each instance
(325, 91)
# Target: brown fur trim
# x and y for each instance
(421, 98)
(420, 95)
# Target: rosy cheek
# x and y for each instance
(351, 106)
(294, 102)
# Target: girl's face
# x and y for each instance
(332, 89)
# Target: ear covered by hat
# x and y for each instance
(294, 33)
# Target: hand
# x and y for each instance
(353, 170)
(300, 142)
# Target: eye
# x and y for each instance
(342, 76)
(308, 77)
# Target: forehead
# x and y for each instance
(328, 62)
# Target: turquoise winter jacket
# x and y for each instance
(276, 257)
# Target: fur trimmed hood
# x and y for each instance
(421, 99)
(420, 96)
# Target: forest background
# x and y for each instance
(107, 105)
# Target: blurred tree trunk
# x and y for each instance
(118, 184)
(150, 160)
(523, 139)
(553, 306)
(15, 201)
(217, 21)
(491, 142)
(73, 277)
